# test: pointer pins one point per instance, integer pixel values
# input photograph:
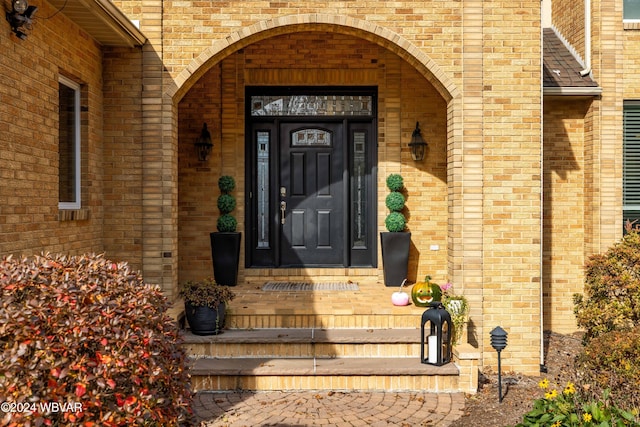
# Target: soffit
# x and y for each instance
(102, 20)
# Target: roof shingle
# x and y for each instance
(560, 66)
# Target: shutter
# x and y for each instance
(631, 162)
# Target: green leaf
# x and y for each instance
(626, 415)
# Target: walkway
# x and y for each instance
(322, 408)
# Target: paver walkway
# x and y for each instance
(322, 408)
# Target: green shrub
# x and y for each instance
(87, 331)
(226, 184)
(612, 361)
(566, 407)
(395, 201)
(227, 223)
(395, 182)
(611, 300)
(226, 203)
(395, 222)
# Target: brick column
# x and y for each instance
(465, 169)
(511, 206)
(159, 186)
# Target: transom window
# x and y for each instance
(311, 105)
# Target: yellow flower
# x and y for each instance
(551, 394)
(544, 384)
(569, 389)
(586, 417)
(556, 424)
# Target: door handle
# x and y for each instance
(283, 211)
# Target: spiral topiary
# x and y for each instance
(395, 221)
(226, 203)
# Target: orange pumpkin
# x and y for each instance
(424, 293)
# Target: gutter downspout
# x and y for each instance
(542, 366)
(587, 38)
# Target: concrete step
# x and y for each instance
(372, 374)
(306, 343)
(315, 359)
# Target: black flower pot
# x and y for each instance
(395, 256)
(205, 320)
(225, 253)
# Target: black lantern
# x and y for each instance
(203, 144)
(499, 342)
(417, 145)
(20, 17)
(440, 332)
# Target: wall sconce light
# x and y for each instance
(417, 144)
(203, 144)
(20, 17)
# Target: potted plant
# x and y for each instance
(395, 242)
(205, 304)
(458, 308)
(225, 243)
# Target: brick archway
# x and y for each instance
(313, 22)
(393, 42)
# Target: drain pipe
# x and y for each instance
(587, 38)
(543, 368)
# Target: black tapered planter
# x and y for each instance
(205, 320)
(395, 256)
(225, 252)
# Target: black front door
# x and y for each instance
(310, 178)
(311, 194)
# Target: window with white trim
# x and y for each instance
(631, 162)
(69, 144)
(631, 10)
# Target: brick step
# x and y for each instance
(385, 318)
(306, 343)
(356, 373)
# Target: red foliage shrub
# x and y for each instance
(86, 342)
(612, 361)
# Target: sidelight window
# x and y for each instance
(359, 190)
(262, 139)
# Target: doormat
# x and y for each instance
(306, 286)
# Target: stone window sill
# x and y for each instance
(73, 214)
(631, 25)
